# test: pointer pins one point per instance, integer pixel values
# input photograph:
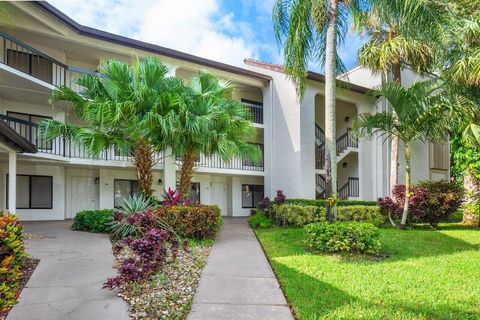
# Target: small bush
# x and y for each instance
(341, 237)
(12, 255)
(196, 221)
(123, 224)
(361, 213)
(323, 202)
(93, 220)
(296, 215)
(259, 220)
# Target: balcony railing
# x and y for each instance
(346, 140)
(256, 110)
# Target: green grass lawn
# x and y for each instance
(425, 274)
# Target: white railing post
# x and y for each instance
(12, 181)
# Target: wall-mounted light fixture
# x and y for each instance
(160, 182)
(347, 119)
(344, 165)
(97, 180)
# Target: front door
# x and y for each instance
(219, 196)
(83, 194)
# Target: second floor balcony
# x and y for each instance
(60, 148)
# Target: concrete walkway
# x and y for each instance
(237, 282)
(67, 284)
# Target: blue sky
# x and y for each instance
(222, 30)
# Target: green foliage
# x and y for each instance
(93, 220)
(341, 237)
(121, 227)
(196, 222)
(464, 158)
(443, 199)
(419, 275)
(322, 202)
(259, 220)
(12, 255)
(300, 215)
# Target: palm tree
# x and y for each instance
(113, 106)
(420, 114)
(311, 30)
(400, 33)
(208, 122)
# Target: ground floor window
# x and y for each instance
(251, 195)
(33, 192)
(122, 189)
(194, 192)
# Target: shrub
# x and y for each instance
(361, 213)
(290, 214)
(341, 237)
(122, 225)
(259, 220)
(196, 221)
(93, 220)
(443, 199)
(280, 197)
(323, 202)
(431, 202)
(12, 254)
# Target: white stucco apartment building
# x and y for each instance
(41, 48)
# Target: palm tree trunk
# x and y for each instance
(403, 223)
(186, 172)
(330, 116)
(472, 199)
(396, 72)
(144, 165)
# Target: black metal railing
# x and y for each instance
(345, 141)
(256, 111)
(319, 148)
(349, 189)
(320, 186)
(64, 147)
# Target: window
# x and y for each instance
(29, 131)
(251, 195)
(122, 189)
(30, 63)
(194, 192)
(33, 192)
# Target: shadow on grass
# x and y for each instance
(315, 299)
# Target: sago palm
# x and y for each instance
(310, 30)
(208, 123)
(112, 108)
(400, 34)
(420, 114)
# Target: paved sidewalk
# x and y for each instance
(237, 282)
(67, 284)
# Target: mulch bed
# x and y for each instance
(169, 294)
(27, 271)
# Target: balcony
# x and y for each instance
(256, 111)
(345, 143)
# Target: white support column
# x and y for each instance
(12, 181)
(169, 172)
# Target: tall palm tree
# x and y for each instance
(420, 114)
(113, 106)
(208, 122)
(400, 33)
(311, 30)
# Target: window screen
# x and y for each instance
(251, 195)
(33, 192)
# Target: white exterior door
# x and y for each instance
(83, 194)
(219, 196)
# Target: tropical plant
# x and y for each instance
(311, 30)
(209, 122)
(420, 114)
(400, 34)
(118, 108)
(123, 224)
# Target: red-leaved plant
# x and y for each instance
(174, 198)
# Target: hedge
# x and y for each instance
(322, 202)
(351, 237)
(93, 220)
(300, 215)
(196, 221)
(12, 255)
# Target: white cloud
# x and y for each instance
(198, 27)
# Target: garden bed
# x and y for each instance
(170, 293)
(422, 274)
(28, 267)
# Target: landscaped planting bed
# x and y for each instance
(419, 274)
